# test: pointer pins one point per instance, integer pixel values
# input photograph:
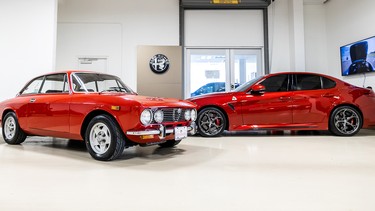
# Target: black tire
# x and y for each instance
(345, 121)
(169, 143)
(104, 139)
(211, 122)
(12, 133)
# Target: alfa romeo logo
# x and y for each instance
(159, 63)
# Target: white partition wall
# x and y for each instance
(27, 42)
(233, 28)
(94, 42)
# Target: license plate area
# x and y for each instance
(180, 132)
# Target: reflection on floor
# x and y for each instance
(239, 171)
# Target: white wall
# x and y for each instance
(27, 42)
(89, 40)
(316, 38)
(144, 22)
(279, 42)
(348, 21)
(233, 28)
(326, 27)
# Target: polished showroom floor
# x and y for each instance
(246, 171)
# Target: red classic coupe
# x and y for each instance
(97, 108)
(288, 101)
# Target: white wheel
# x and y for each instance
(100, 138)
(104, 138)
(10, 127)
(12, 132)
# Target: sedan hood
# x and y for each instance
(211, 95)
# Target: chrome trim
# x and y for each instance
(143, 132)
(169, 130)
(192, 128)
(162, 132)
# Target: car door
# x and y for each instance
(313, 97)
(273, 107)
(48, 110)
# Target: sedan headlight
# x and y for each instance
(193, 115)
(159, 116)
(146, 117)
(187, 114)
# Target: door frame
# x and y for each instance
(229, 53)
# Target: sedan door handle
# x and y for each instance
(329, 95)
(32, 100)
(284, 98)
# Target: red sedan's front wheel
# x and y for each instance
(211, 122)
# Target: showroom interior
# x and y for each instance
(206, 41)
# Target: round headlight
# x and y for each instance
(193, 114)
(187, 114)
(146, 116)
(159, 116)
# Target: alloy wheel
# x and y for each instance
(347, 121)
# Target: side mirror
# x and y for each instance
(258, 89)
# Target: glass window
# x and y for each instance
(328, 83)
(278, 83)
(55, 84)
(94, 82)
(33, 87)
(308, 82)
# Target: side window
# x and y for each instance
(33, 87)
(308, 82)
(278, 83)
(91, 86)
(55, 84)
(328, 83)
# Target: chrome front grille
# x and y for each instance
(174, 115)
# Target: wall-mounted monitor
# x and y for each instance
(358, 57)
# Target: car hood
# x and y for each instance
(147, 101)
(211, 95)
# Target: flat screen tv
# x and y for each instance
(358, 57)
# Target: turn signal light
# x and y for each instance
(147, 136)
(115, 108)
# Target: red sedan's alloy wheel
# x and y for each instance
(345, 121)
(211, 122)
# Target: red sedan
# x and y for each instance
(97, 108)
(288, 101)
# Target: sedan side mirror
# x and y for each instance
(258, 89)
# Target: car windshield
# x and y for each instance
(95, 82)
(244, 87)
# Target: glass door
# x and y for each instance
(246, 64)
(219, 70)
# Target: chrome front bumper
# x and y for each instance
(192, 129)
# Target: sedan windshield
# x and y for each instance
(94, 82)
(244, 87)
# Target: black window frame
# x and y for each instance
(288, 86)
(322, 84)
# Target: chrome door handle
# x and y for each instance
(32, 100)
